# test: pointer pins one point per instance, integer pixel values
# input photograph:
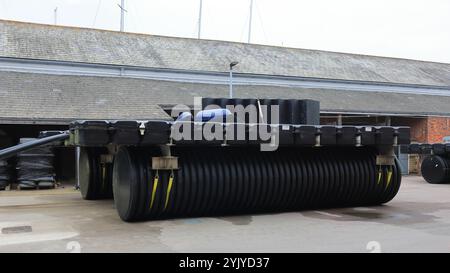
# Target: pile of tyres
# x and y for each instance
(35, 167)
(5, 174)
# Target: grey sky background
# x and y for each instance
(413, 29)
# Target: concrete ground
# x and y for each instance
(417, 220)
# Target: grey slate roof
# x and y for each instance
(39, 97)
(35, 41)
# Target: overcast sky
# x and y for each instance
(414, 29)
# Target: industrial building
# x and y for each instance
(51, 75)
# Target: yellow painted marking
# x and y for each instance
(169, 188)
(103, 175)
(155, 186)
(379, 176)
(389, 177)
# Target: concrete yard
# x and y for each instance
(417, 220)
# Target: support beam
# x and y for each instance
(388, 121)
(339, 120)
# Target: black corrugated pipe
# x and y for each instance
(12, 151)
(93, 174)
(436, 169)
(224, 180)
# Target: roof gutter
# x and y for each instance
(205, 77)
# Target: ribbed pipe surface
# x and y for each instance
(94, 176)
(219, 181)
(5, 174)
(435, 169)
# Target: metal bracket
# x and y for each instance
(386, 156)
(106, 158)
(142, 128)
(358, 141)
(317, 140)
(165, 163)
(386, 160)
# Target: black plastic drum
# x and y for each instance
(436, 169)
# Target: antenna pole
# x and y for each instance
(55, 16)
(122, 15)
(200, 19)
(250, 22)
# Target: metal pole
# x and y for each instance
(339, 120)
(122, 15)
(231, 77)
(388, 121)
(77, 166)
(200, 19)
(231, 82)
(55, 16)
(250, 21)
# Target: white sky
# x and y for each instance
(414, 29)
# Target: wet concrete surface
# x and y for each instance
(417, 220)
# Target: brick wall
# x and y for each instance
(437, 127)
(425, 130)
(419, 127)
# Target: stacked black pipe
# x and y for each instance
(5, 174)
(225, 180)
(436, 169)
(35, 167)
(290, 111)
(94, 175)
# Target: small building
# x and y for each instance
(51, 75)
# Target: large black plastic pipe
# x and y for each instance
(436, 169)
(94, 176)
(224, 180)
(12, 151)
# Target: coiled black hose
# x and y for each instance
(436, 169)
(5, 174)
(224, 180)
(35, 167)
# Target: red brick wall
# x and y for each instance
(419, 127)
(437, 127)
(425, 130)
